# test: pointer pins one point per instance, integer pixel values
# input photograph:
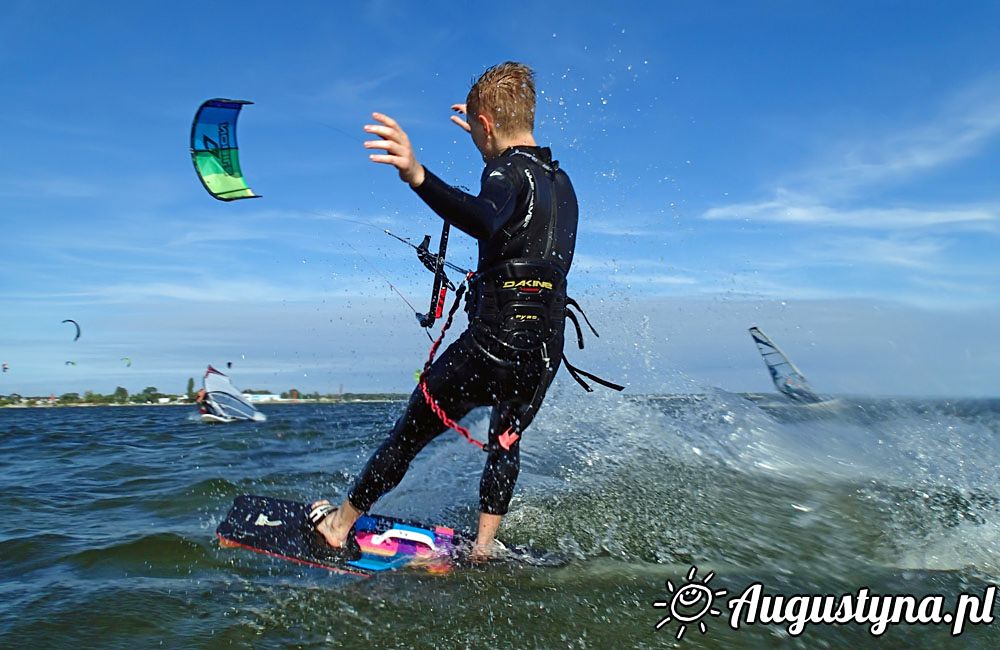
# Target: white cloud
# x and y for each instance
(786, 207)
(48, 187)
(229, 291)
(960, 129)
(632, 225)
(833, 193)
(921, 253)
(210, 291)
(633, 279)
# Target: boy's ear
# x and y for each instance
(487, 123)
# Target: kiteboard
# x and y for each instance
(280, 528)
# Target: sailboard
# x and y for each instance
(789, 381)
(224, 402)
(280, 528)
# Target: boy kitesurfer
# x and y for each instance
(525, 220)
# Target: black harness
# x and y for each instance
(520, 306)
(519, 302)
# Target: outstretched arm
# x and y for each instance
(478, 216)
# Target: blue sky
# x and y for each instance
(827, 171)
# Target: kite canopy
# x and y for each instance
(75, 324)
(214, 150)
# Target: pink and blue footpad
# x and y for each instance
(387, 544)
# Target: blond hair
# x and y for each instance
(507, 93)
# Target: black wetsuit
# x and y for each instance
(525, 221)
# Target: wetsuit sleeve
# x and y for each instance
(479, 216)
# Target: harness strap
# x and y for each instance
(572, 303)
(576, 372)
(573, 370)
(576, 324)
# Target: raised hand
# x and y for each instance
(398, 150)
(461, 110)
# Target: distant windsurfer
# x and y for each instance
(525, 220)
(200, 400)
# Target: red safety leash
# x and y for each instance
(434, 406)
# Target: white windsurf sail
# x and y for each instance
(224, 401)
(786, 377)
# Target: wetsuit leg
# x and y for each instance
(496, 487)
(456, 383)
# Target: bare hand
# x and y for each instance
(398, 150)
(461, 109)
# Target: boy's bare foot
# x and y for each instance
(335, 526)
(482, 553)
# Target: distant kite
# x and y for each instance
(71, 363)
(229, 365)
(214, 150)
(128, 362)
(6, 367)
(76, 325)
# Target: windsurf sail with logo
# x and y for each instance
(224, 402)
(214, 151)
(786, 377)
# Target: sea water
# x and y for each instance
(107, 520)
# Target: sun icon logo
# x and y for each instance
(690, 603)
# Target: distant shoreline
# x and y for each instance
(358, 400)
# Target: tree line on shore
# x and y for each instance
(152, 395)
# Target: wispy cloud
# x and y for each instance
(633, 279)
(844, 189)
(633, 226)
(48, 186)
(969, 121)
(214, 291)
(793, 208)
(353, 92)
(639, 273)
(913, 253)
(860, 223)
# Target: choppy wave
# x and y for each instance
(110, 513)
